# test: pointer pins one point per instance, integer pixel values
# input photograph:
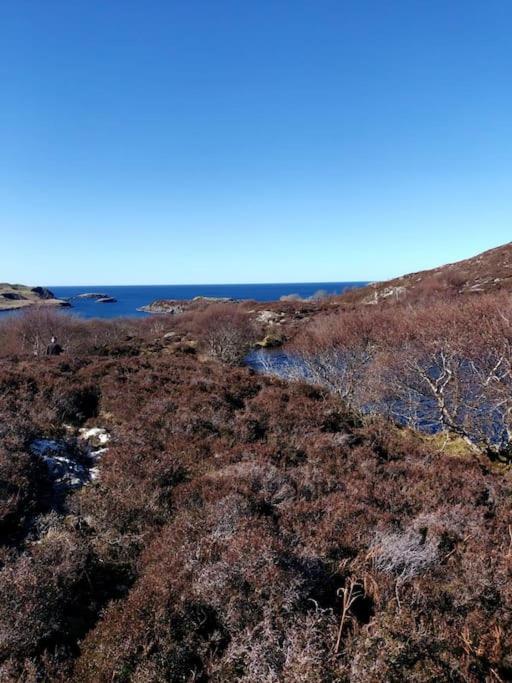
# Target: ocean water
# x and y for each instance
(129, 298)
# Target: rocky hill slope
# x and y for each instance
(13, 297)
(487, 272)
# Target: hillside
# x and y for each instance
(13, 297)
(489, 271)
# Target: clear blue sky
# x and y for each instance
(216, 141)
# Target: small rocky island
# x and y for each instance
(13, 297)
(175, 306)
(98, 297)
(168, 306)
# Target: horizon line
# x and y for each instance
(217, 284)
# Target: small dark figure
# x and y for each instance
(54, 349)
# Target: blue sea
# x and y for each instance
(130, 298)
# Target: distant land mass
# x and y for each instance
(487, 272)
(13, 297)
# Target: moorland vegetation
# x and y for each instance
(351, 523)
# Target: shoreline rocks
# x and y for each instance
(215, 299)
(176, 306)
(167, 306)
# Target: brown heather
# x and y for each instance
(250, 530)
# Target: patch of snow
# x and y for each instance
(95, 436)
(97, 453)
(67, 466)
(94, 473)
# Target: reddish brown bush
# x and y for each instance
(24, 491)
(226, 333)
(442, 367)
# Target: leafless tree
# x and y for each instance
(445, 366)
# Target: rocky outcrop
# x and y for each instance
(12, 296)
(270, 341)
(43, 293)
(176, 306)
(215, 299)
(168, 306)
(270, 317)
(490, 271)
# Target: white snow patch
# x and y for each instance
(60, 457)
(95, 436)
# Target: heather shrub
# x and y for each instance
(24, 490)
(29, 331)
(75, 404)
(37, 594)
(242, 528)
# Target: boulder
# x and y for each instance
(271, 341)
(269, 317)
(95, 437)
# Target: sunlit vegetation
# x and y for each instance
(247, 529)
(445, 365)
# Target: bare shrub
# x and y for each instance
(445, 366)
(29, 332)
(405, 554)
(225, 332)
(298, 651)
(337, 353)
(412, 551)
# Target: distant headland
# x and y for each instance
(13, 297)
